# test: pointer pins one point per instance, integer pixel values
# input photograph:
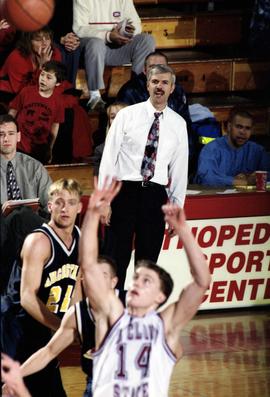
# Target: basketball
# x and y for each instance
(27, 15)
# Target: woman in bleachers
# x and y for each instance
(23, 64)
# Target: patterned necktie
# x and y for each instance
(150, 153)
(13, 190)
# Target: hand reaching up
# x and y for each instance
(175, 217)
(101, 198)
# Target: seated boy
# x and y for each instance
(39, 111)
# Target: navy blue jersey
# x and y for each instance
(18, 328)
(86, 330)
(58, 276)
(60, 272)
(21, 334)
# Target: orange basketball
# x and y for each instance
(27, 15)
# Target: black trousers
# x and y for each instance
(137, 220)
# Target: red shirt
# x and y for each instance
(35, 117)
(18, 71)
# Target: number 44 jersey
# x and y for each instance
(134, 359)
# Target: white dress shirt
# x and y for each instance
(94, 18)
(125, 146)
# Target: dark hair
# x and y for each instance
(24, 44)
(58, 68)
(110, 262)
(7, 118)
(155, 54)
(166, 281)
(239, 111)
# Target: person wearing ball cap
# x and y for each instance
(111, 34)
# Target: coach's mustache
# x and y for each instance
(159, 91)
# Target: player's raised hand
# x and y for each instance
(101, 198)
(175, 217)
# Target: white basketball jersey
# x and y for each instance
(134, 359)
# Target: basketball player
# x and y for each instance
(137, 348)
(77, 322)
(42, 284)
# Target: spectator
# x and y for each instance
(135, 90)
(22, 67)
(67, 41)
(33, 182)
(146, 148)
(39, 111)
(42, 285)
(112, 111)
(232, 160)
(111, 35)
(205, 128)
(31, 176)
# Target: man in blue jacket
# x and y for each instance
(232, 160)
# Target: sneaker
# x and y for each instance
(96, 104)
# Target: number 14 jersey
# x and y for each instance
(134, 359)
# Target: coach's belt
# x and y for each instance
(143, 183)
(149, 184)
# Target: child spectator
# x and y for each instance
(39, 112)
(22, 67)
(112, 111)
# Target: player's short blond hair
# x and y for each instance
(71, 185)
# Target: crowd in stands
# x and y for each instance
(154, 142)
(85, 33)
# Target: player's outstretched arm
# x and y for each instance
(63, 337)
(179, 313)
(93, 279)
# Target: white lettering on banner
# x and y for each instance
(238, 254)
(244, 234)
